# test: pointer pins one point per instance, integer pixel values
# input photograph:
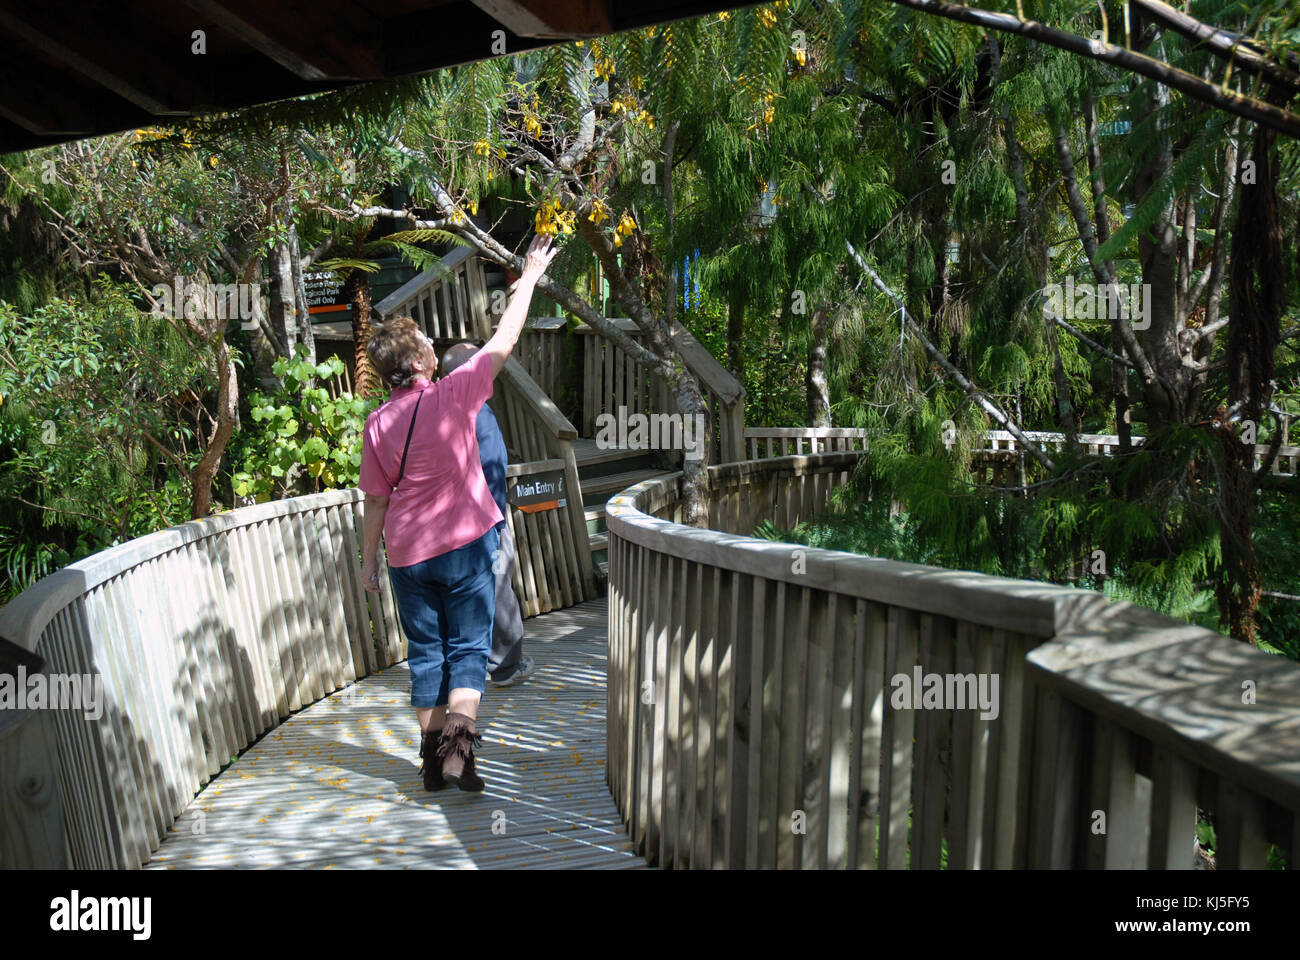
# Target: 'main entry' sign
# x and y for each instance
(537, 491)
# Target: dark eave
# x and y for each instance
(73, 69)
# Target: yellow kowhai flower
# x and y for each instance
(532, 125)
(769, 115)
(724, 15)
(767, 17)
(552, 219)
(644, 117)
(599, 212)
(801, 56)
(473, 207)
(637, 83)
(604, 69)
(482, 148)
(626, 227)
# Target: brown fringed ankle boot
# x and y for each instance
(431, 769)
(456, 751)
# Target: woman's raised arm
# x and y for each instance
(539, 256)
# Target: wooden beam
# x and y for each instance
(36, 97)
(72, 36)
(342, 41)
(567, 19)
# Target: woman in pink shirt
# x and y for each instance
(425, 491)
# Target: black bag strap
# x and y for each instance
(402, 471)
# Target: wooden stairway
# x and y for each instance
(602, 474)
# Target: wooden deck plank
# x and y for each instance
(337, 785)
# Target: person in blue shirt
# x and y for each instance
(507, 664)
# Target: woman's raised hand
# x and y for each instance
(540, 254)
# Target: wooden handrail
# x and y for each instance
(1287, 463)
(542, 405)
(715, 377)
(717, 385)
(24, 618)
(795, 432)
(422, 281)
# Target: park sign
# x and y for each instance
(324, 289)
(538, 491)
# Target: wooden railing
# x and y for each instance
(766, 442)
(1108, 445)
(449, 300)
(612, 379)
(997, 446)
(541, 352)
(450, 303)
(205, 636)
(535, 430)
(752, 717)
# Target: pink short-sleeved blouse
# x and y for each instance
(443, 501)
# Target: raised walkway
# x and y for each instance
(337, 786)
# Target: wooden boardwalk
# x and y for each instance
(337, 785)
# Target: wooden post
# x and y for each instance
(32, 833)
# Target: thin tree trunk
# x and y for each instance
(227, 412)
(736, 333)
(670, 276)
(306, 336)
(1257, 303)
(1064, 407)
(817, 390)
(284, 313)
(1101, 219)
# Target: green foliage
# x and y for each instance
(773, 371)
(97, 406)
(308, 436)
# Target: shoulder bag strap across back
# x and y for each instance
(402, 470)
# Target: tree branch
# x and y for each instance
(1275, 118)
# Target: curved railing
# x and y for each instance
(759, 715)
(751, 685)
(205, 636)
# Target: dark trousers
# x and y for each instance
(508, 623)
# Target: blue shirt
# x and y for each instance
(492, 452)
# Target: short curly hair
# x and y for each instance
(394, 348)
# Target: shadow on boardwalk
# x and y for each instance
(337, 784)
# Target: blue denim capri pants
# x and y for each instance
(446, 605)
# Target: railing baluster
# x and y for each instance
(1242, 842)
(1173, 812)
